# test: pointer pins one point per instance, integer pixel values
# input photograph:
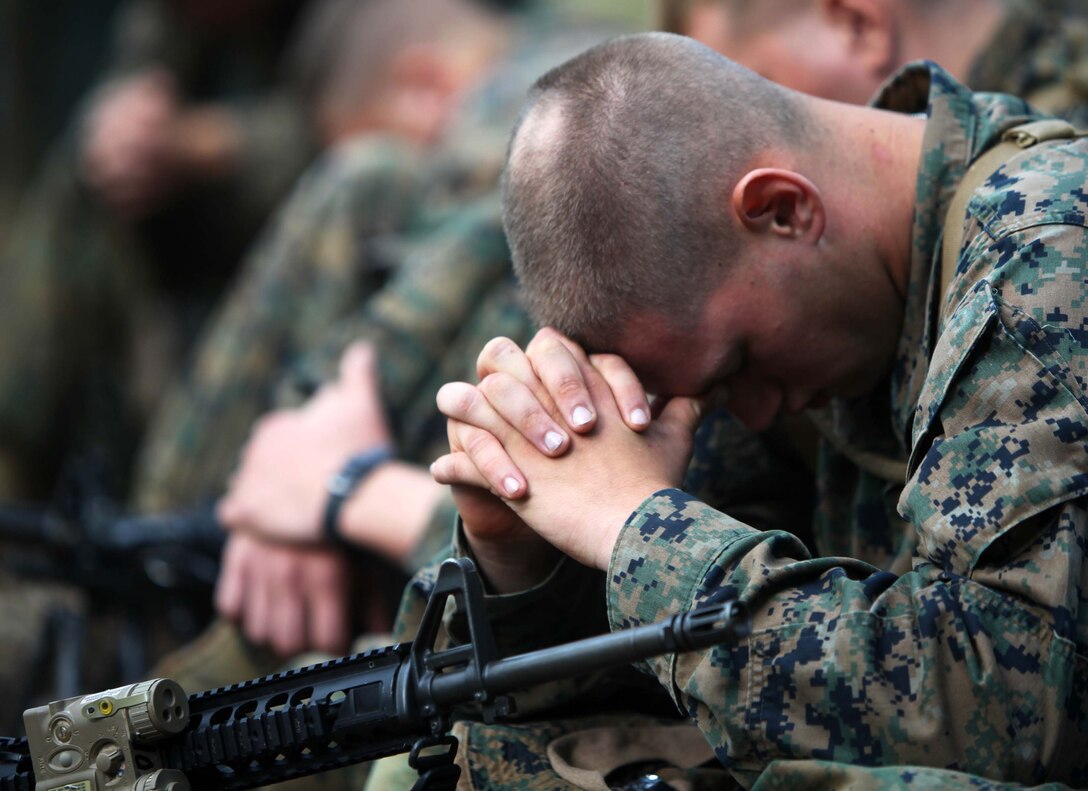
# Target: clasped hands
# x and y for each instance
(554, 448)
(283, 587)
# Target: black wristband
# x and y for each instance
(346, 481)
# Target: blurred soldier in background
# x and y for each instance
(121, 247)
(387, 80)
(423, 236)
(135, 224)
(845, 49)
(394, 236)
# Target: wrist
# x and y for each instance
(612, 522)
(512, 565)
(391, 510)
(343, 484)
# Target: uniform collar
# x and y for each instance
(960, 125)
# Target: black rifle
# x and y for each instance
(84, 538)
(143, 569)
(150, 737)
(116, 554)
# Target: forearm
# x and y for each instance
(391, 510)
(565, 605)
(514, 566)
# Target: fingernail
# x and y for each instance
(552, 440)
(640, 417)
(510, 483)
(433, 465)
(581, 416)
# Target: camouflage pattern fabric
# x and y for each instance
(1040, 53)
(974, 659)
(433, 289)
(321, 250)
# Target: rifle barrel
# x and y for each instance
(31, 525)
(699, 628)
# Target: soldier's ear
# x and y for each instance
(780, 203)
(870, 30)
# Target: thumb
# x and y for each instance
(359, 367)
(682, 415)
(226, 512)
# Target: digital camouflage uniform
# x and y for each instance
(97, 309)
(1040, 53)
(973, 659)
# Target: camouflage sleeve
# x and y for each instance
(277, 141)
(315, 261)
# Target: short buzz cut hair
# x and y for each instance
(619, 175)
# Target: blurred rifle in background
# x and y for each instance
(141, 570)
